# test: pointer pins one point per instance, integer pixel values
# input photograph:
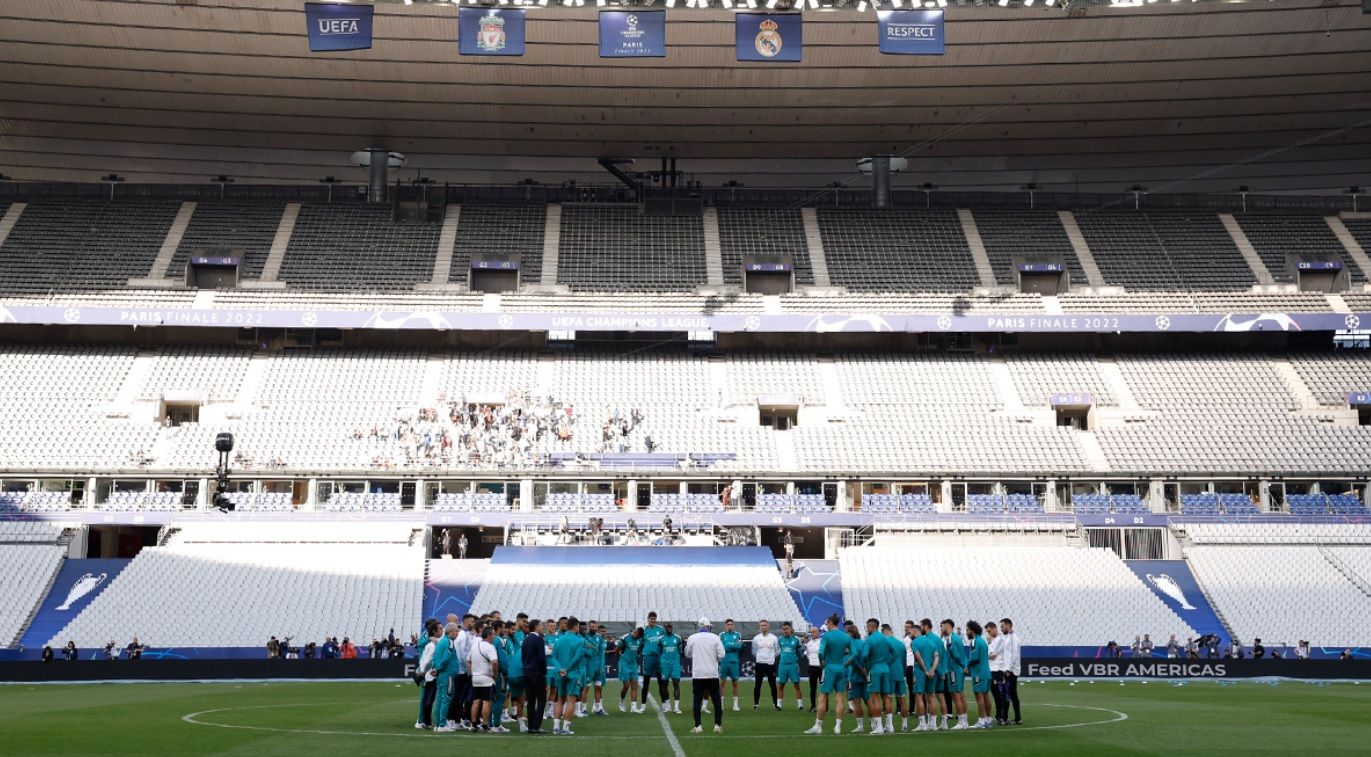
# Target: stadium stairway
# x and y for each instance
(818, 262)
(1347, 570)
(10, 218)
(1296, 385)
(450, 586)
(1082, 249)
(1350, 243)
(77, 583)
(1244, 245)
(1176, 586)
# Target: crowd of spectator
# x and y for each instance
(517, 434)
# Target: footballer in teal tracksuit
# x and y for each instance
(447, 665)
(956, 672)
(928, 656)
(731, 667)
(629, 648)
(788, 663)
(671, 645)
(835, 647)
(568, 656)
(856, 670)
(978, 668)
(652, 656)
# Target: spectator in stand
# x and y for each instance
(447, 543)
(1146, 646)
(1258, 651)
(69, 652)
(134, 649)
(1346, 655)
(1173, 648)
(1192, 650)
(1112, 650)
(1302, 650)
(462, 546)
(330, 649)
(377, 650)
(1137, 646)
(273, 648)
(310, 649)
(348, 651)
(47, 653)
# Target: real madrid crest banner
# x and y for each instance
(769, 37)
(490, 31)
(335, 27)
(633, 34)
(911, 32)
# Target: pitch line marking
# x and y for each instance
(193, 718)
(666, 728)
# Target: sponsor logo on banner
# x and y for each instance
(770, 37)
(334, 27)
(911, 32)
(490, 31)
(633, 34)
(1159, 669)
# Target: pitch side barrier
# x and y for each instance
(1354, 669)
(202, 670)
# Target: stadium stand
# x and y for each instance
(1304, 236)
(34, 501)
(358, 247)
(500, 229)
(1216, 412)
(217, 373)
(1039, 375)
(1331, 376)
(607, 248)
(1166, 251)
(80, 245)
(1255, 587)
(309, 582)
(902, 504)
(685, 503)
(763, 231)
(244, 230)
(679, 584)
(1064, 593)
(1036, 235)
(29, 558)
(889, 250)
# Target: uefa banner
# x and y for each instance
(334, 27)
(632, 34)
(490, 31)
(911, 32)
(769, 37)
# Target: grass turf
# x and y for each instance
(370, 718)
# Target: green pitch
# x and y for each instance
(370, 718)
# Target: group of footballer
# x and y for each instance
(873, 676)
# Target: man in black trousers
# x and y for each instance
(534, 656)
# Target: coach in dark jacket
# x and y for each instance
(535, 674)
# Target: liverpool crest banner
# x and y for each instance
(490, 31)
(633, 34)
(338, 27)
(769, 37)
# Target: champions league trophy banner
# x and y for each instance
(338, 27)
(633, 34)
(769, 37)
(490, 31)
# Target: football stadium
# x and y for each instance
(685, 377)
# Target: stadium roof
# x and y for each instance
(1176, 97)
